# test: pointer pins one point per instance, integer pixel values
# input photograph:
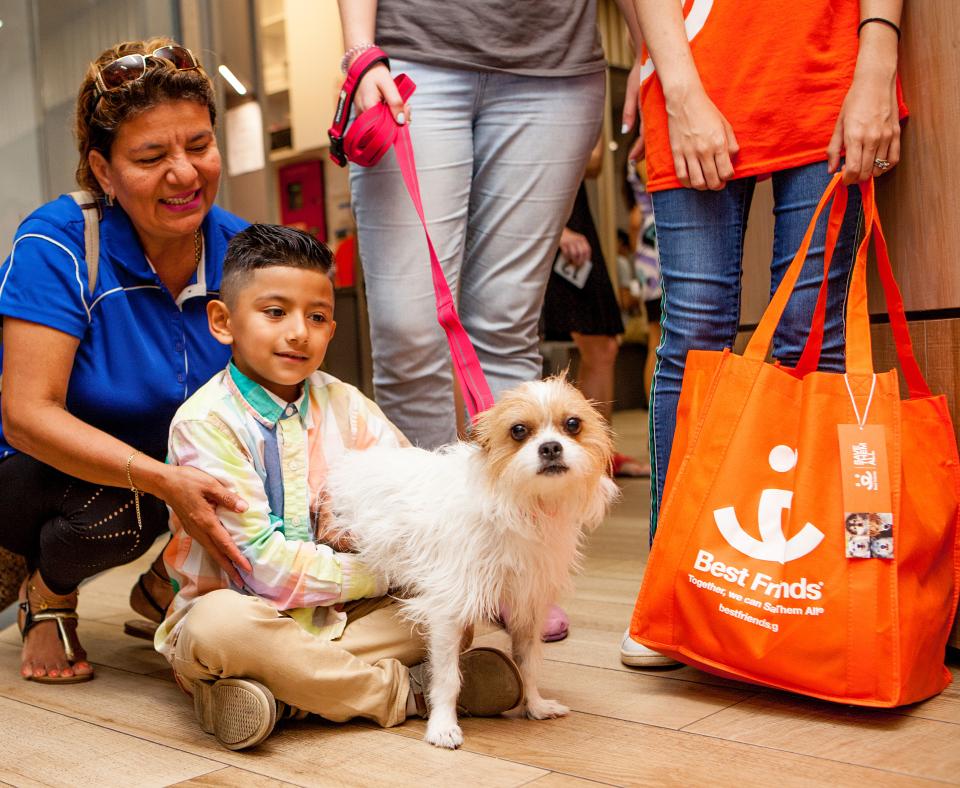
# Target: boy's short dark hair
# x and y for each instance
(267, 245)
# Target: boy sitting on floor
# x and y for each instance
(311, 629)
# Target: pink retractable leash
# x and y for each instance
(367, 140)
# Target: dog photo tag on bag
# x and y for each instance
(867, 505)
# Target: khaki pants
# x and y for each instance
(362, 674)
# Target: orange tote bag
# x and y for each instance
(808, 534)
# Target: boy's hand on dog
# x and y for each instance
(342, 543)
(323, 527)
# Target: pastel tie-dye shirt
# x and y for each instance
(275, 456)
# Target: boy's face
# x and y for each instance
(279, 327)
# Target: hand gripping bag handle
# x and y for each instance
(916, 384)
(367, 140)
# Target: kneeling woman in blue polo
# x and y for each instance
(104, 336)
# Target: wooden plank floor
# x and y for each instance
(132, 726)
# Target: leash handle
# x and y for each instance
(370, 136)
(358, 69)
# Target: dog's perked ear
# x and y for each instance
(480, 431)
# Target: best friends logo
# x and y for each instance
(772, 546)
(759, 581)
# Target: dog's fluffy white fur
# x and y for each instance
(473, 525)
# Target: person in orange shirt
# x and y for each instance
(732, 92)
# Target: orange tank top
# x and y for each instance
(778, 70)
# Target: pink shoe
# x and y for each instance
(556, 627)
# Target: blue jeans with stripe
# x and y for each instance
(700, 237)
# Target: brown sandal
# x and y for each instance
(146, 603)
(37, 604)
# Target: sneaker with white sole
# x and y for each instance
(637, 655)
(240, 713)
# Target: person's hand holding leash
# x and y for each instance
(377, 85)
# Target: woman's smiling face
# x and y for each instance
(164, 170)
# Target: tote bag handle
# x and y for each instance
(759, 344)
(858, 345)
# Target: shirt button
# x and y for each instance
(180, 377)
(179, 347)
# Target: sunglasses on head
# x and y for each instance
(130, 68)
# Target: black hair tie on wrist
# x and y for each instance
(882, 21)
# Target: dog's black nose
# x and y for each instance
(551, 450)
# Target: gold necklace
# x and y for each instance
(197, 246)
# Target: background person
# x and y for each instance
(645, 265)
(588, 312)
(92, 379)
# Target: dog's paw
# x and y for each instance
(543, 709)
(448, 736)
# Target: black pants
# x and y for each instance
(70, 529)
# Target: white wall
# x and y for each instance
(45, 48)
(21, 179)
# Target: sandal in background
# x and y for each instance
(151, 604)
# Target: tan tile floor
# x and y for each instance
(132, 726)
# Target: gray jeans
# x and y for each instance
(499, 158)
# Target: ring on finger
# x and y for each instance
(881, 164)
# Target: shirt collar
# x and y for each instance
(119, 241)
(265, 406)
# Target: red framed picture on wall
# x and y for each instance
(301, 197)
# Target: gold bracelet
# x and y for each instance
(134, 490)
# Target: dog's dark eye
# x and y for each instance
(572, 425)
(518, 432)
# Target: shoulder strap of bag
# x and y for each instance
(91, 233)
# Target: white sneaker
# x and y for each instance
(637, 655)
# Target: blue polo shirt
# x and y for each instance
(142, 352)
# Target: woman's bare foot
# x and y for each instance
(43, 654)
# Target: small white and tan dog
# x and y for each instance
(497, 519)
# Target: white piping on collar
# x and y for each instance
(194, 290)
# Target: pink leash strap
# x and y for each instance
(366, 141)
